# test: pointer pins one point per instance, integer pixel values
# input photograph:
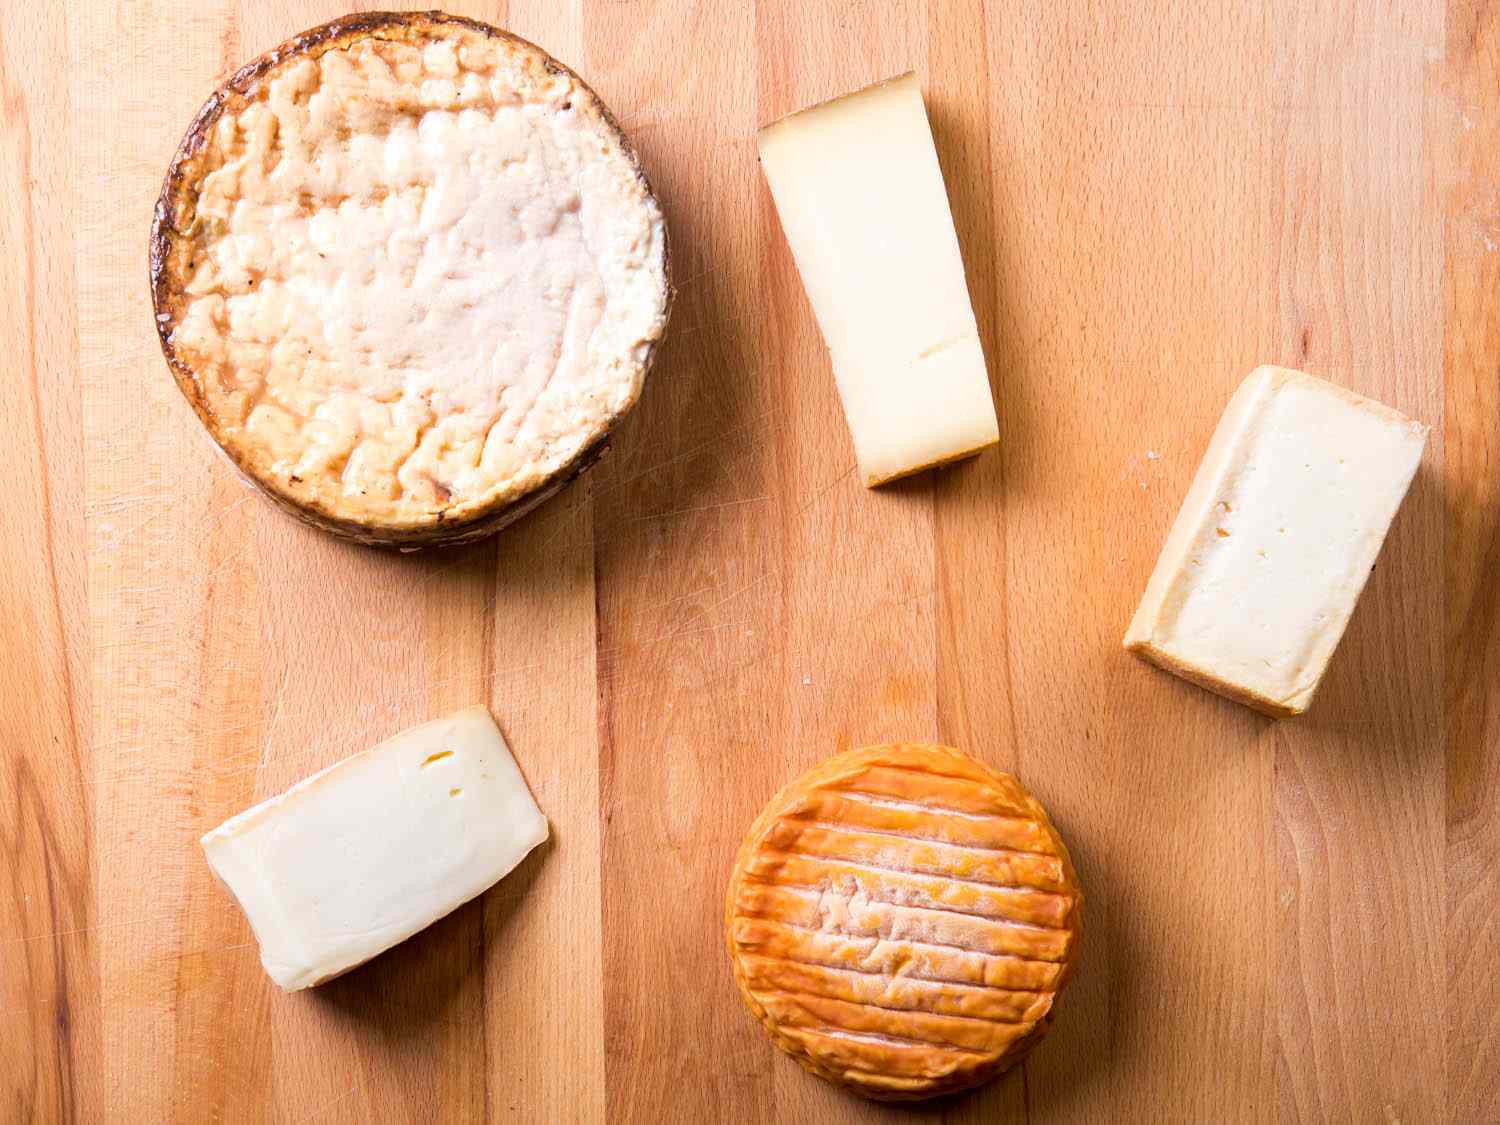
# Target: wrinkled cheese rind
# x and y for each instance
(425, 277)
(357, 858)
(901, 919)
(861, 198)
(1277, 535)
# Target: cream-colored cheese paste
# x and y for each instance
(426, 277)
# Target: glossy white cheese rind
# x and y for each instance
(860, 193)
(1275, 540)
(357, 858)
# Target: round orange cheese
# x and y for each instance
(902, 918)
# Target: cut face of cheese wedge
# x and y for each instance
(861, 198)
(355, 859)
(1276, 538)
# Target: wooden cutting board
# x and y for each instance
(1285, 920)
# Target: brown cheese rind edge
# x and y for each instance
(167, 277)
(1148, 651)
(853, 761)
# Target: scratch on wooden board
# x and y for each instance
(199, 581)
(784, 650)
(134, 743)
(25, 1009)
(730, 446)
(567, 519)
(214, 951)
(827, 488)
(326, 1106)
(754, 582)
(715, 443)
(1250, 109)
(50, 935)
(119, 505)
(265, 750)
(697, 277)
(636, 122)
(439, 571)
(652, 607)
(228, 561)
(198, 528)
(709, 326)
(701, 508)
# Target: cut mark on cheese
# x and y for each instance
(897, 957)
(923, 908)
(438, 757)
(929, 1024)
(891, 865)
(944, 345)
(985, 1006)
(919, 884)
(1050, 866)
(1001, 836)
(829, 1031)
(919, 806)
(887, 935)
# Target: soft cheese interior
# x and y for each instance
(427, 276)
(860, 194)
(1276, 538)
(355, 859)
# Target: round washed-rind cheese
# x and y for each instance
(409, 273)
(902, 918)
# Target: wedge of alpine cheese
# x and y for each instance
(359, 857)
(1278, 533)
(861, 198)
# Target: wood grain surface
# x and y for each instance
(1289, 921)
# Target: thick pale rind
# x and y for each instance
(1195, 523)
(170, 246)
(901, 919)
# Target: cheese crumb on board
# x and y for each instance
(1276, 538)
(861, 198)
(357, 858)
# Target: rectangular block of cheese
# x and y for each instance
(355, 859)
(1278, 533)
(860, 194)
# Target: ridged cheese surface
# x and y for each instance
(901, 919)
(423, 274)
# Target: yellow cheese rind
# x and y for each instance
(861, 198)
(355, 859)
(1275, 539)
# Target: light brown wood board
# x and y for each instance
(1293, 921)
